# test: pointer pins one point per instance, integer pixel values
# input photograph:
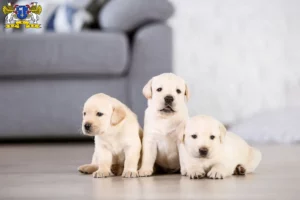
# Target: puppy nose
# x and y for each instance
(87, 126)
(169, 99)
(203, 151)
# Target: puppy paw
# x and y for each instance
(102, 174)
(216, 174)
(183, 172)
(240, 170)
(145, 173)
(130, 174)
(87, 169)
(197, 174)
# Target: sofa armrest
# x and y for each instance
(121, 15)
(152, 52)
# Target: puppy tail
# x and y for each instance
(255, 157)
(88, 168)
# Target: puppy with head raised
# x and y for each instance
(207, 149)
(167, 111)
(117, 137)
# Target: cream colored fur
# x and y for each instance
(225, 152)
(117, 137)
(161, 129)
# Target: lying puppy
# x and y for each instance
(117, 137)
(167, 95)
(206, 149)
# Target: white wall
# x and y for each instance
(238, 57)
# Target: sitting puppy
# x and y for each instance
(167, 95)
(206, 149)
(117, 137)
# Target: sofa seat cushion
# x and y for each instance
(85, 53)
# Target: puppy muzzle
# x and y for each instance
(203, 152)
(168, 104)
(167, 109)
(87, 128)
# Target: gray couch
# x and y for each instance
(46, 78)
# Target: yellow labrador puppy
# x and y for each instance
(167, 95)
(207, 149)
(117, 137)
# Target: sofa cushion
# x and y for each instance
(129, 15)
(85, 53)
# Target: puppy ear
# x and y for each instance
(187, 92)
(118, 115)
(147, 90)
(223, 132)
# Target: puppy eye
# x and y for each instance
(84, 113)
(159, 89)
(178, 91)
(99, 114)
(194, 136)
(212, 137)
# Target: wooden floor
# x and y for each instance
(35, 172)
